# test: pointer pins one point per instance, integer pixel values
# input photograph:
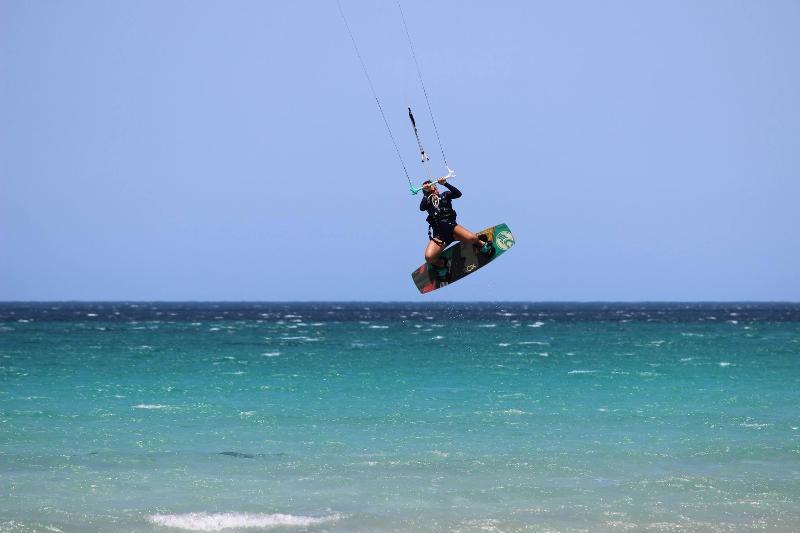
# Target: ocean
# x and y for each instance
(399, 417)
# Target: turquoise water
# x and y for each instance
(399, 417)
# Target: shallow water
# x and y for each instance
(404, 417)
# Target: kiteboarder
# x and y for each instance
(442, 226)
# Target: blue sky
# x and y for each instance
(195, 150)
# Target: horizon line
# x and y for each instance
(791, 302)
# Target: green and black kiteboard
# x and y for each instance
(463, 259)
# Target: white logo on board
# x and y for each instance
(504, 240)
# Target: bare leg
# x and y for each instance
(432, 251)
(464, 235)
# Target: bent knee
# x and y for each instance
(432, 254)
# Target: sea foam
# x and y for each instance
(220, 521)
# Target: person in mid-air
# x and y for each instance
(442, 226)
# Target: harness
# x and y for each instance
(445, 212)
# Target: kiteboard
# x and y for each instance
(463, 259)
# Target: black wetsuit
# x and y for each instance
(441, 215)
